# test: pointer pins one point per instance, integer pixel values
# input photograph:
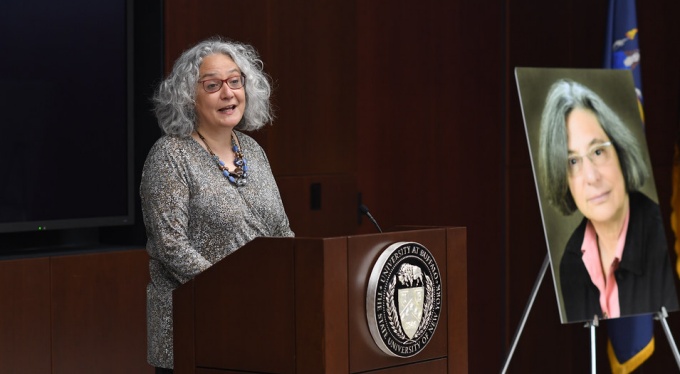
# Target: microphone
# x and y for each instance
(364, 210)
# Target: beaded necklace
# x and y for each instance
(239, 175)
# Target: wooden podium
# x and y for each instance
(298, 305)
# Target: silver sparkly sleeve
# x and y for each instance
(165, 197)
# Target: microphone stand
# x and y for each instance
(364, 210)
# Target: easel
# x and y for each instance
(661, 316)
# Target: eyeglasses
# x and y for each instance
(213, 85)
(598, 154)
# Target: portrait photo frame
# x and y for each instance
(617, 90)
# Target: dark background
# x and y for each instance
(414, 107)
(64, 101)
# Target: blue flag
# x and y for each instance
(622, 50)
(631, 342)
(631, 339)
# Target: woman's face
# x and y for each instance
(225, 107)
(595, 178)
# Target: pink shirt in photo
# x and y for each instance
(609, 290)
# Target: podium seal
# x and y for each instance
(404, 299)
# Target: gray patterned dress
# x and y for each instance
(194, 217)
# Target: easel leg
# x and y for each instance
(661, 316)
(525, 314)
(593, 356)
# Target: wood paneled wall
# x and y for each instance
(418, 103)
(80, 313)
(430, 134)
(25, 336)
(309, 50)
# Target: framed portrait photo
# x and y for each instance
(603, 227)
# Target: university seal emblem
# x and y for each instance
(404, 298)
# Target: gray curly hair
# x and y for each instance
(175, 98)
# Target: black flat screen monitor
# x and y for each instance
(65, 114)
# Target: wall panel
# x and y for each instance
(431, 137)
(308, 49)
(25, 316)
(99, 313)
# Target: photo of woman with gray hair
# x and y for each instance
(616, 261)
